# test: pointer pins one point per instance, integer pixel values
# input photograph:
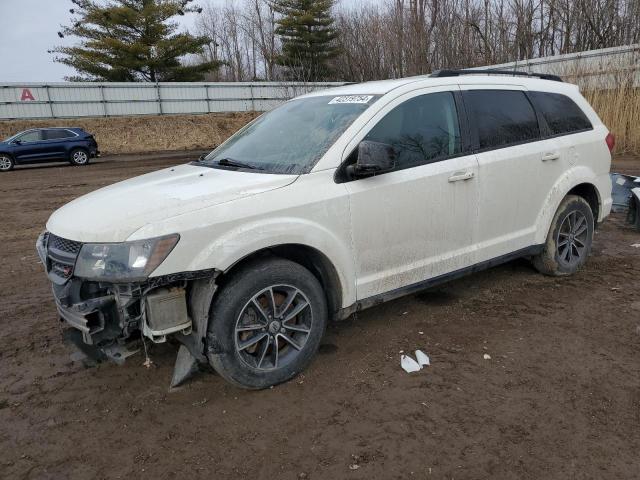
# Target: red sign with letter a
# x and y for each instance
(26, 95)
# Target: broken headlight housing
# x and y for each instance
(127, 261)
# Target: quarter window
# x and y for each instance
(422, 130)
(503, 117)
(560, 112)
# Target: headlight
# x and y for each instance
(130, 261)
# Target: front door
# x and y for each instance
(419, 220)
(30, 147)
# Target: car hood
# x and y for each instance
(113, 213)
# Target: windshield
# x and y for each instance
(291, 138)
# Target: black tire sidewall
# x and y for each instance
(569, 204)
(231, 299)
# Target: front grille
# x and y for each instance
(61, 254)
(64, 245)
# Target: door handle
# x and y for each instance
(547, 157)
(460, 176)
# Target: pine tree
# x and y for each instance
(131, 40)
(308, 38)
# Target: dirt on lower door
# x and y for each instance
(558, 398)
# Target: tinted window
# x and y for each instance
(34, 136)
(422, 130)
(560, 112)
(55, 134)
(503, 117)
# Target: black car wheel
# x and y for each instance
(79, 156)
(267, 322)
(6, 162)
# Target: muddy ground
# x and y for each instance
(558, 399)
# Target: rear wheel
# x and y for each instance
(569, 240)
(79, 156)
(6, 163)
(267, 322)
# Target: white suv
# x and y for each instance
(331, 203)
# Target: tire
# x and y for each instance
(569, 239)
(243, 337)
(79, 156)
(6, 162)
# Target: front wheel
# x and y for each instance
(569, 240)
(6, 163)
(266, 323)
(79, 156)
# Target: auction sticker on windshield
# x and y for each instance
(351, 99)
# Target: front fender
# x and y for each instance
(570, 179)
(313, 212)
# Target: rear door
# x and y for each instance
(512, 156)
(417, 221)
(59, 142)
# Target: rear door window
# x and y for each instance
(421, 130)
(561, 113)
(502, 117)
(57, 134)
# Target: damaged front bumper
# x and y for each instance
(109, 320)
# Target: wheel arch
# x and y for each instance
(580, 181)
(590, 193)
(309, 257)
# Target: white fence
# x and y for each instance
(88, 99)
(603, 68)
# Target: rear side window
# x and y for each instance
(502, 117)
(560, 112)
(421, 130)
(57, 134)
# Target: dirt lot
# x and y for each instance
(559, 398)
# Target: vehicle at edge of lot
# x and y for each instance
(37, 145)
(333, 202)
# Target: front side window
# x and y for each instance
(560, 112)
(502, 117)
(34, 136)
(291, 138)
(424, 129)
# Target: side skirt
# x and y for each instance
(432, 282)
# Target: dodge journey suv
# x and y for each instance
(331, 203)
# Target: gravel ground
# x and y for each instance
(559, 397)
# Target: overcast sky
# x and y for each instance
(29, 29)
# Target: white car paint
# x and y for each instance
(380, 233)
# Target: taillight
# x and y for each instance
(611, 141)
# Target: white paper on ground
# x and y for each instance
(422, 358)
(408, 364)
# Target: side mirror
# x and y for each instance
(202, 157)
(17, 142)
(374, 158)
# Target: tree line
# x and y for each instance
(313, 40)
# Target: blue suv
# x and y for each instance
(46, 145)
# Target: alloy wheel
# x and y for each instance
(80, 157)
(273, 327)
(5, 163)
(572, 240)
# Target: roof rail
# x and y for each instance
(494, 71)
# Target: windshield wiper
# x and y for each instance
(230, 162)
